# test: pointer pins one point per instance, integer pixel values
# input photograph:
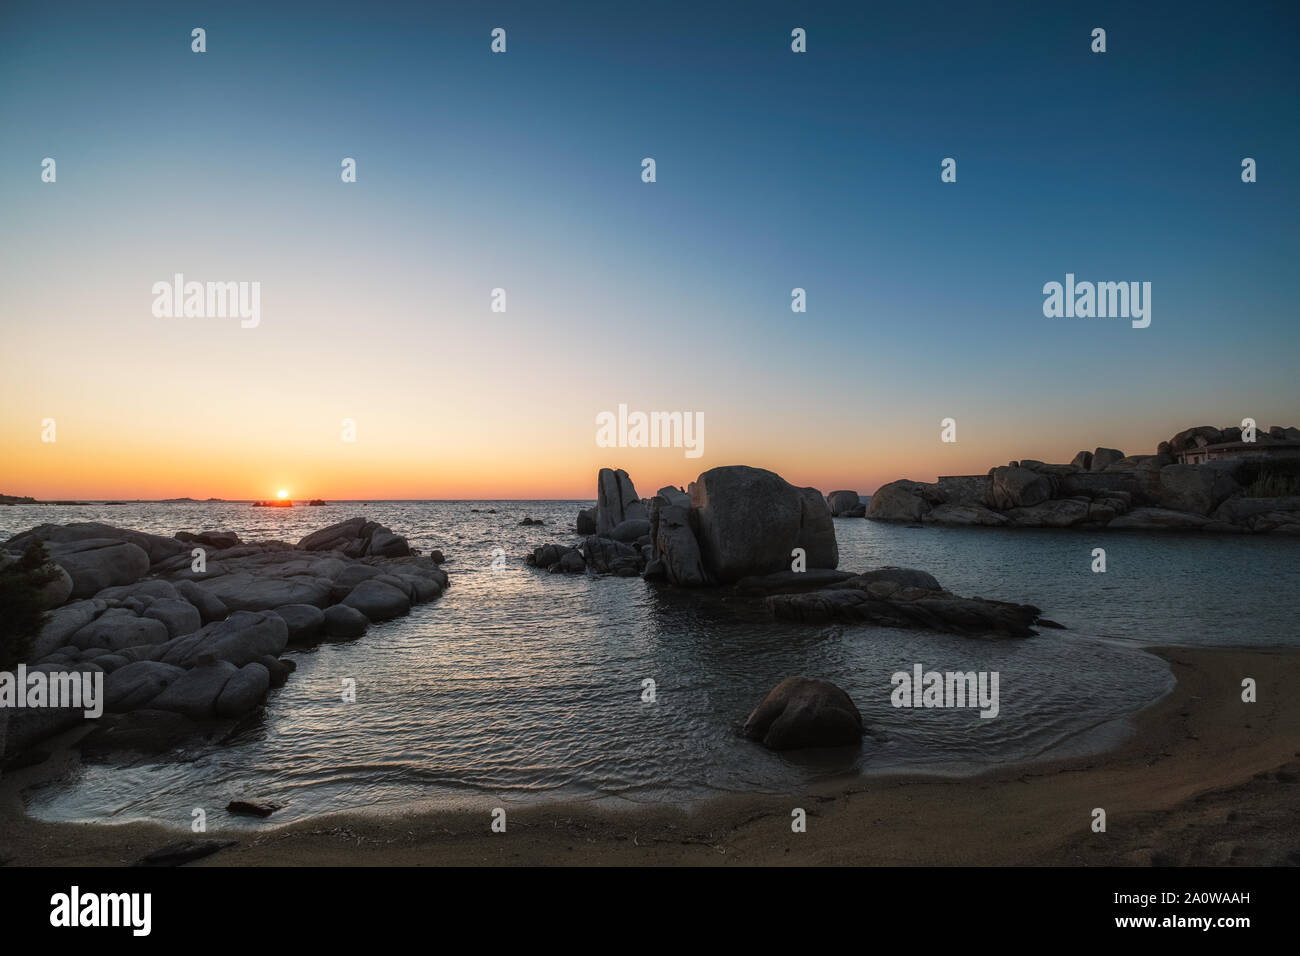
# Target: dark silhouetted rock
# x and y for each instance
(378, 601)
(344, 623)
(846, 504)
(803, 712)
(305, 622)
(750, 521)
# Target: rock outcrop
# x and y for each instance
(1107, 489)
(736, 522)
(355, 538)
(904, 500)
(904, 597)
(616, 501)
(205, 645)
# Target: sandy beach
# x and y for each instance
(1204, 780)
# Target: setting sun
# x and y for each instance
(282, 493)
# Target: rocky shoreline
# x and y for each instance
(188, 631)
(1107, 489)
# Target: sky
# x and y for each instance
(522, 171)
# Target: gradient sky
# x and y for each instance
(522, 171)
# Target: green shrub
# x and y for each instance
(1270, 484)
(21, 613)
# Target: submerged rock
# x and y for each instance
(904, 597)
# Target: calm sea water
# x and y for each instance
(520, 685)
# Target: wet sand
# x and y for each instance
(1206, 779)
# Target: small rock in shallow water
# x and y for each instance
(803, 712)
(253, 808)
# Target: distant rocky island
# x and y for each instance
(1202, 479)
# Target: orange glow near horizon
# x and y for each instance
(94, 471)
(485, 448)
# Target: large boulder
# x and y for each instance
(1103, 458)
(846, 504)
(902, 500)
(816, 530)
(195, 693)
(357, 537)
(1083, 461)
(1195, 488)
(245, 689)
(673, 496)
(334, 538)
(607, 556)
(616, 501)
(132, 686)
(210, 607)
(118, 628)
(180, 617)
(98, 563)
(802, 712)
(386, 544)
(548, 555)
(1197, 437)
(751, 520)
(61, 623)
(243, 637)
(676, 547)
(260, 590)
(305, 621)
(216, 540)
(1015, 487)
(586, 523)
(631, 529)
(155, 546)
(343, 623)
(378, 600)
(1051, 514)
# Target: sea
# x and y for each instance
(519, 686)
